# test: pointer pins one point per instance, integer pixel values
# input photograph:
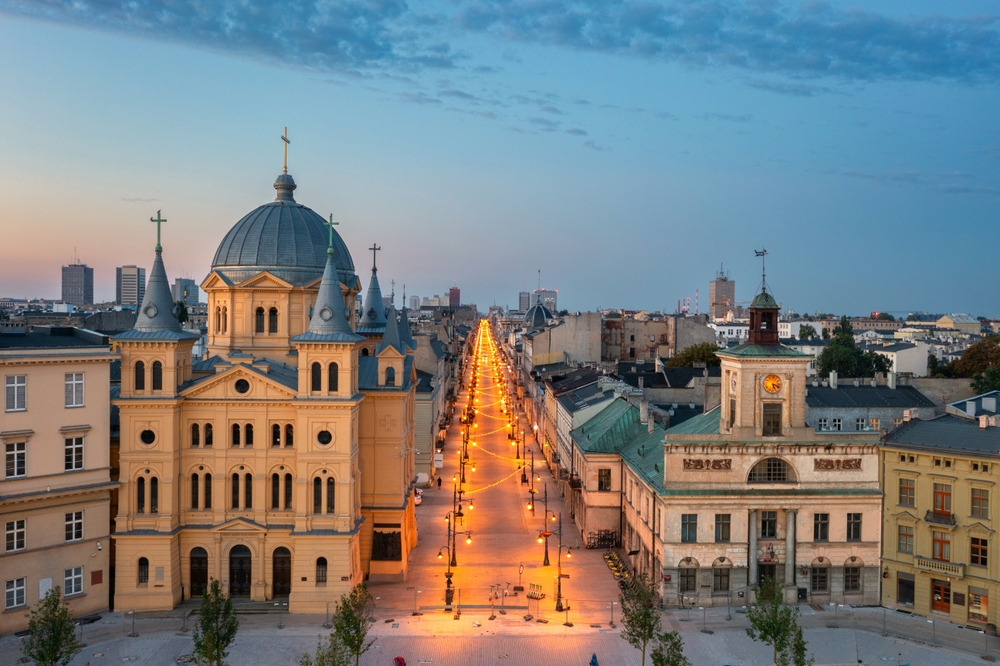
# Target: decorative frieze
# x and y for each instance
(833, 464)
(708, 463)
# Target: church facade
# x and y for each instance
(281, 463)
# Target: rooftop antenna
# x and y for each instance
(284, 137)
(762, 253)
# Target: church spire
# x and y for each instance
(405, 336)
(373, 314)
(763, 312)
(329, 321)
(391, 336)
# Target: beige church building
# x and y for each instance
(280, 461)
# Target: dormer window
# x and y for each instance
(390, 376)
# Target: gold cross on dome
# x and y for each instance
(284, 137)
(158, 221)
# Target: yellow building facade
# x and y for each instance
(281, 463)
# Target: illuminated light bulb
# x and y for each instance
(568, 554)
(553, 519)
(468, 541)
(529, 506)
(473, 469)
(540, 539)
(440, 556)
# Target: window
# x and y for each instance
(820, 579)
(288, 491)
(218, 320)
(875, 424)
(195, 435)
(942, 546)
(289, 435)
(905, 539)
(689, 528)
(317, 377)
(317, 496)
(772, 419)
(17, 393)
(236, 491)
(897, 422)
(236, 434)
(689, 580)
(248, 435)
(194, 491)
(74, 389)
(821, 527)
(907, 492)
(390, 376)
(154, 495)
(720, 579)
(275, 435)
(73, 581)
(157, 376)
(74, 525)
(980, 503)
(837, 424)
(272, 320)
(143, 571)
(74, 454)
(321, 570)
(331, 495)
(771, 470)
(854, 527)
(852, 579)
(768, 524)
(16, 455)
(275, 491)
(823, 424)
(942, 499)
(15, 535)
(140, 495)
(604, 480)
(259, 321)
(722, 526)
(15, 593)
(859, 424)
(334, 377)
(225, 318)
(208, 434)
(248, 491)
(208, 491)
(979, 553)
(905, 589)
(732, 413)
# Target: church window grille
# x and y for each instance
(208, 491)
(157, 376)
(140, 495)
(390, 376)
(225, 319)
(143, 571)
(289, 435)
(317, 377)
(194, 491)
(208, 434)
(272, 320)
(275, 435)
(288, 491)
(275, 491)
(248, 491)
(334, 377)
(154, 495)
(236, 434)
(140, 376)
(236, 491)
(259, 323)
(317, 496)
(771, 470)
(321, 570)
(248, 432)
(330, 495)
(218, 320)
(195, 435)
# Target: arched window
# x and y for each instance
(225, 319)
(390, 376)
(140, 376)
(330, 495)
(289, 435)
(275, 435)
(248, 431)
(771, 470)
(364, 352)
(208, 491)
(208, 434)
(154, 495)
(321, 570)
(194, 491)
(236, 434)
(143, 571)
(157, 376)
(248, 491)
(317, 377)
(140, 495)
(334, 377)
(236, 491)
(195, 435)
(259, 323)
(272, 320)
(275, 491)
(317, 495)
(218, 319)
(288, 491)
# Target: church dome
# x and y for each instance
(284, 238)
(537, 316)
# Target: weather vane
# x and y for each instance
(158, 221)
(763, 272)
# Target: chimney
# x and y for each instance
(984, 421)
(907, 415)
(641, 382)
(833, 379)
(857, 383)
(892, 380)
(650, 429)
(644, 411)
(874, 382)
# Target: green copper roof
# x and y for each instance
(763, 351)
(703, 424)
(764, 300)
(609, 430)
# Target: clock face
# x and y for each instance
(732, 383)
(772, 383)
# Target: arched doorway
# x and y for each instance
(199, 571)
(239, 571)
(282, 565)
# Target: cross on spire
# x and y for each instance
(331, 224)
(284, 137)
(392, 294)
(159, 220)
(374, 248)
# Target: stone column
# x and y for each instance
(791, 589)
(752, 549)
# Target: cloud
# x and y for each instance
(793, 89)
(593, 146)
(418, 98)
(544, 123)
(577, 131)
(551, 109)
(729, 117)
(955, 182)
(663, 115)
(137, 200)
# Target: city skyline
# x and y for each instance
(860, 150)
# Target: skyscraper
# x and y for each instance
(721, 295)
(524, 301)
(78, 284)
(414, 303)
(547, 297)
(185, 290)
(130, 285)
(454, 297)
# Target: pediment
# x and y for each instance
(905, 514)
(389, 352)
(222, 386)
(978, 527)
(215, 280)
(239, 525)
(265, 280)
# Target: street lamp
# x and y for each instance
(559, 573)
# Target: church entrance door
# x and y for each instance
(199, 571)
(239, 571)
(282, 572)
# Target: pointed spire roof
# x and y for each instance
(373, 314)
(405, 336)
(391, 337)
(329, 320)
(155, 319)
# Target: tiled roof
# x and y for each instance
(761, 351)
(705, 424)
(585, 397)
(866, 396)
(947, 433)
(608, 431)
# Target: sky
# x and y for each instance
(626, 149)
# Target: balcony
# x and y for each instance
(939, 567)
(940, 518)
(574, 482)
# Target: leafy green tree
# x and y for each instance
(352, 620)
(773, 623)
(51, 632)
(843, 356)
(669, 650)
(332, 654)
(797, 650)
(703, 352)
(987, 381)
(640, 614)
(807, 332)
(216, 628)
(884, 316)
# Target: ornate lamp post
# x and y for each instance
(559, 573)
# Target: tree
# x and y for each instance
(978, 358)
(797, 649)
(884, 316)
(807, 332)
(640, 614)
(775, 624)
(703, 352)
(987, 381)
(216, 628)
(841, 355)
(332, 654)
(180, 312)
(352, 619)
(51, 632)
(669, 650)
